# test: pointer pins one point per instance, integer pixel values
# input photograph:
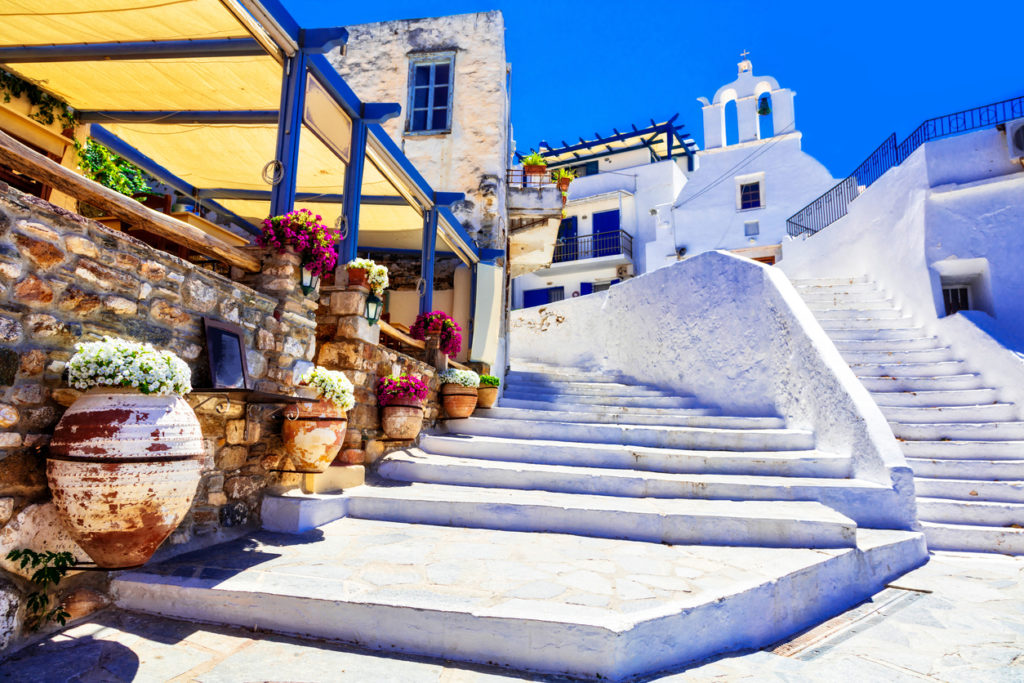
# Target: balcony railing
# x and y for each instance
(593, 246)
(519, 179)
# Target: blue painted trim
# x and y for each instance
(308, 197)
(154, 116)
(289, 127)
(283, 18)
(379, 112)
(321, 40)
(491, 255)
(145, 50)
(320, 67)
(353, 185)
(427, 260)
(450, 218)
(448, 198)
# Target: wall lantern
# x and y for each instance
(309, 281)
(374, 307)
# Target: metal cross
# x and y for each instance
(744, 54)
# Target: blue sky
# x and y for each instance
(860, 70)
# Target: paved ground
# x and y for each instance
(959, 618)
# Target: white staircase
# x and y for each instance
(966, 447)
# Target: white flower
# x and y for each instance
(465, 378)
(119, 362)
(333, 386)
(376, 274)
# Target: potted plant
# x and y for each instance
(438, 324)
(534, 164)
(125, 458)
(401, 400)
(302, 233)
(363, 272)
(458, 392)
(313, 433)
(563, 177)
(487, 394)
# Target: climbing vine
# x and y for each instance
(48, 109)
(108, 169)
(50, 568)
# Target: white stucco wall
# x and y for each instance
(736, 334)
(472, 158)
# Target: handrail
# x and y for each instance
(594, 245)
(457, 364)
(389, 330)
(519, 178)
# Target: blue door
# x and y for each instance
(565, 245)
(606, 233)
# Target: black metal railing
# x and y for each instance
(831, 206)
(520, 179)
(593, 246)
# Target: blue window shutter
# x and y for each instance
(535, 297)
(586, 288)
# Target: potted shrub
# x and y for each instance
(313, 433)
(563, 177)
(458, 392)
(534, 164)
(363, 272)
(401, 400)
(301, 232)
(440, 325)
(125, 458)
(487, 394)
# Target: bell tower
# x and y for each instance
(748, 91)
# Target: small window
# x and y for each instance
(750, 196)
(430, 93)
(956, 299)
(752, 228)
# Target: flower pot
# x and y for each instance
(531, 169)
(563, 184)
(402, 420)
(458, 401)
(313, 434)
(357, 277)
(123, 470)
(486, 397)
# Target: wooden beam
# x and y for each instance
(24, 160)
(395, 333)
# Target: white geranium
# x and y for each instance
(333, 386)
(121, 363)
(465, 378)
(376, 274)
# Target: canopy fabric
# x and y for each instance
(378, 224)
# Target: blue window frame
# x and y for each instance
(539, 297)
(431, 77)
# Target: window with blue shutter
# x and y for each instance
(430, 93)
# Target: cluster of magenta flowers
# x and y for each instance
(401, 389)
(303, 231)
(438, 322)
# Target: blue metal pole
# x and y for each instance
(427, 260)
(293, 100)
(351, 194)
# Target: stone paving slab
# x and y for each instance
(969, 627)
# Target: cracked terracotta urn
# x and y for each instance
(123, 470)
(458, 401)
(313, 434)
(403, 419)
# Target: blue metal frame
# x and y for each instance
(159, 116)
(460, 231)
(353, 186)
(169, 49)
(427, 260)
(668, 128)
(293, 99)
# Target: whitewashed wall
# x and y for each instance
(736, 334)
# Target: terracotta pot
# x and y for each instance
(402, 420)
(123, 470)
(458, 401)
(486, 397)
(535, 170)
(563, 184)
(313, 434)
(357, 277)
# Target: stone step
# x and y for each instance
(687, 407)
(859, 310)
(970, 489)
(776, 524)
(802, 463)
(910, 369)
(840, 297)
(547, 399)
(932, 414)
(559, 375)
(959, 431)
(695, 438)
(967, 469)
(853, 282)
(977, 512)
(857, 334)
(868, 325)
(898, 357)
(974, 538)
(585, 388)
(904, 343)
(964, 450)
(948, 397)
(590, 609)
(862, 501)
(968, 380)
(650, 417)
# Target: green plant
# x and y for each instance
(562, 174)
(108, 169)
(534, 159)
(50, 568)
(489, 381)
(49, 109)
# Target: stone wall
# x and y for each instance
(66, 279)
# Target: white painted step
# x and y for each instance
(775, 524)
(663, 418)
(562, 375)
(839, 297)
(967, 537)
(801, 463)
(869, 325)
(898, 357)
(841, 334)
(911, 369)
(948, 397)
(970, 489)
(696, 438)
(967, 469)
(959, 431)
(687, 407)
(963, 413)
(968, 380)
(549, 399)
(903, 343)
(860, 310)
(964, 450)
(859, 500)
(853, 281)
(977, 512)
(586, 388)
